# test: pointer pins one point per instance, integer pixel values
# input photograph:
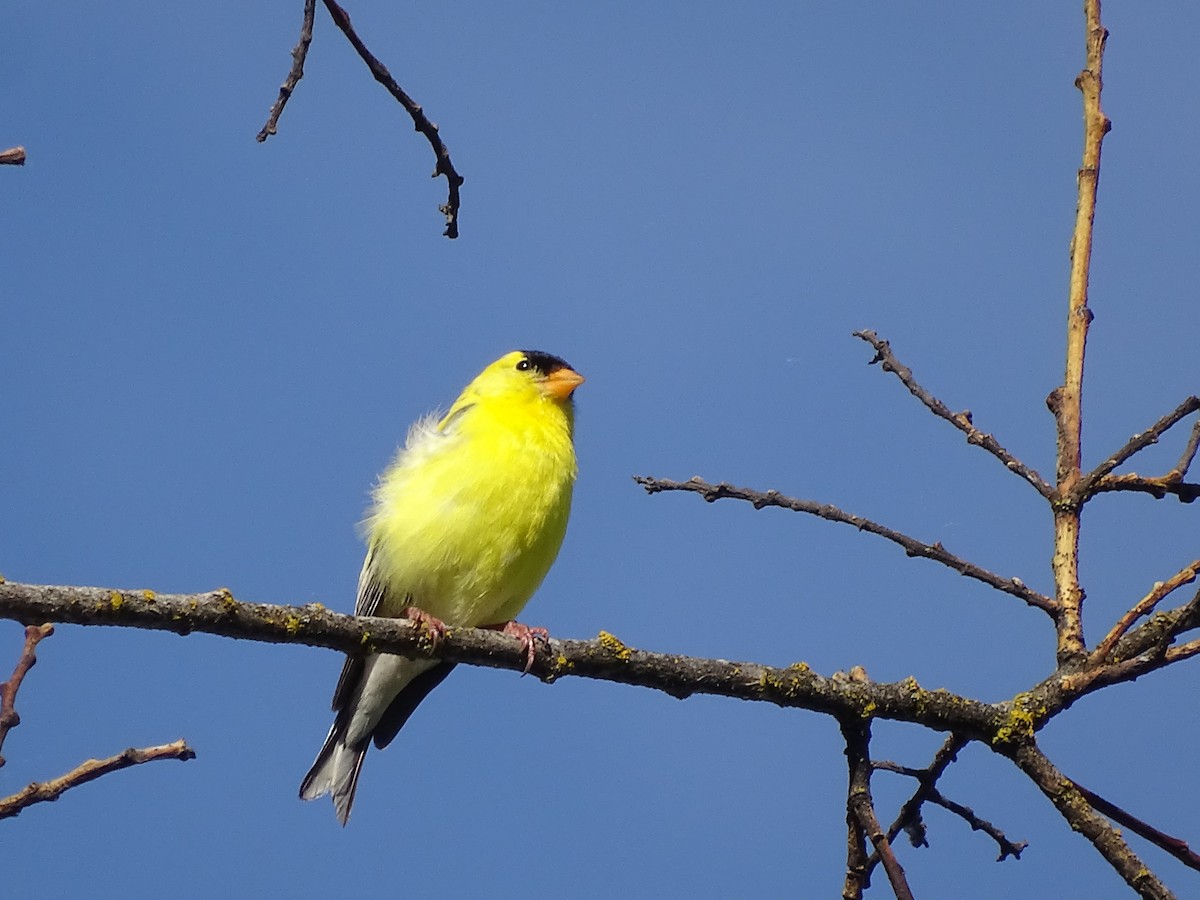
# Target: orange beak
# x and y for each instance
(560, 383)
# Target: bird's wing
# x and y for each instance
(370, 595)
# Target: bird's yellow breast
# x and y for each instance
(470, 517)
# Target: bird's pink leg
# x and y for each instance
(525, 635)
(434, 626)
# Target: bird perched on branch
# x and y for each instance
(464, 526)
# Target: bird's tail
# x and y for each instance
(336, 770)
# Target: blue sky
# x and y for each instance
(212, 346)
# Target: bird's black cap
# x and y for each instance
(545, 362)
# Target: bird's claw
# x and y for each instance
(435, 628)
(526, 636)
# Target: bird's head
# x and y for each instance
(528, 375)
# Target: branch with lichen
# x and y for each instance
(1080, 815)
(913, 547)
(48, 791)
(605, 658)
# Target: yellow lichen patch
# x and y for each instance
(292, 624)
(613, 645)
(802, 667)
(868, 709)
(561, 662)
(227, 600)
(115, 600)
(1020, 722)
(148, 596)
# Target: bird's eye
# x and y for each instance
(524, 365)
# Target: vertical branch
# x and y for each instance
(8, 690)
(861, 820)
(1065, 401)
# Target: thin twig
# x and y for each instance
(1177, 847)
(444, 165)
(1007, 848)
(1158, 488)
(1189, 454)
(860, 808)
(299, 52)
(913, 547)
(46, 791)
(961, 421)
(1065, 401)
(909, 817)
(8, 690)
(1082, 818)
(1160, 591)
(13, 156)
(1141, 441)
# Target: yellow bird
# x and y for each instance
(464, 526)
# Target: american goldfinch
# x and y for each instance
(464, 526)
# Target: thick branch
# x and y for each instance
(46, 791)
(961, 421)
(444, 165)
(913, 547)
(8, 690)
(299, 53)
(605, 658)
(13, 156)
(1082, 818)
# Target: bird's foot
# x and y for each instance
(525, 635)
(435, 628)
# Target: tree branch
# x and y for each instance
(1160, 591)
(13, 156)
(1079, 814)
(1159, 487)
(1177, 847)
(1144, 439)
(46, 791)
(444, 165)
(961, 421)
(1065, 401)
(299, 53)
(605, 658)
(8, 690)
(936, 552)
(860, 808)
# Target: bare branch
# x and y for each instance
(1160, 591)
(1141, 441)
(913, 547)
(299, 53)
(444, 165)
(1065, 401)
(13, 156)
(909, 818)
(46, 791)
(961, 421)
(1079, 814)
(605, 658)
(1177, 847)
(8, 690)
(860, 808)
(1189, 454)
(1157, 487)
